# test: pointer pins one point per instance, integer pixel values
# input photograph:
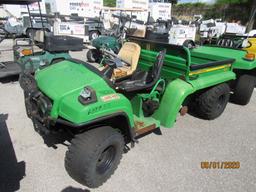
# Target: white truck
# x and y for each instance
(83, 8)
(215, 28)
(159, 9)
(179, 34)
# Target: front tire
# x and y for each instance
(212, 103)
(243, 90)
(94, 155)
(28, 105)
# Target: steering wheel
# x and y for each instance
(112, 57)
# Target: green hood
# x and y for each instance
(63, 83)
(66, 78)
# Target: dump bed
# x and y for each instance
(179, 62)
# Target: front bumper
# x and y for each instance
(38, 106)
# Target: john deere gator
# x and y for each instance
(105, 108)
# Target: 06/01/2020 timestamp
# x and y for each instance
(220, 165)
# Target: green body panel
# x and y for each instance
(177, 67)
(106, 41)
(214, 78)
(178, 90)
(175, 93)
(238, 55)
(174, 67)
(63, 83)
(34, 62)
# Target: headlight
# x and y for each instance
(42, 106)
(87, 96)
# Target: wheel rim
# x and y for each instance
(105, 160)
(94, 35)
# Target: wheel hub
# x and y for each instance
(105, 160)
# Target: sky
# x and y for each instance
(194, 1)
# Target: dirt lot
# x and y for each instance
(167, 162)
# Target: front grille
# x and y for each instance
(41, 105)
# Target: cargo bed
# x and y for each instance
(179, 61)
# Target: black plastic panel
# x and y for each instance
(63, 43)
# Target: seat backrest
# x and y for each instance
(130, 53)
(154, 73)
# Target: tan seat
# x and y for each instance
(130, 53)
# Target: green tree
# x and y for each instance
(110, 3)
(231, 1)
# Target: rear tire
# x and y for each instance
(93, 56)
(243, 90)
(30, 33)
(93, 35)
(94, 155)
(189, 44)
(212, 102)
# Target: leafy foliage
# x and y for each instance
(109, 3)
(231, 1)
(227, 10)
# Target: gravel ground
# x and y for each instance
(170, 162)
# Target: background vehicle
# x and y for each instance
(12, 68)
(105, 113)
(85, 28)
(211, 30)
(14, 27)
(53, 50)
(121, 23)
(39, 22)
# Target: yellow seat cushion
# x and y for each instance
(130, 53)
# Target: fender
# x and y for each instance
(69, 108)
(174, 95)
(206, 81)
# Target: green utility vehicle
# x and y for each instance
(104, 113)
(244, 67)
(53, 49)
